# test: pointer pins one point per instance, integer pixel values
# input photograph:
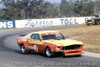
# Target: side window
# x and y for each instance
(32, 36)
(35, 36)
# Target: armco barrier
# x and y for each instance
(50, 22)
(7, 24)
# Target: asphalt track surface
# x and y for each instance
(10, 55)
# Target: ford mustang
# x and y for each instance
(49, 43)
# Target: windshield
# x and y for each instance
(89, 20)
(53, 36)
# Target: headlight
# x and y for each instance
(57, 48)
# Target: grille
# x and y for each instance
(72, 47)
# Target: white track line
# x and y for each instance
(92, 54)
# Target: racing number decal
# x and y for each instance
(35, 42)
(35, 48)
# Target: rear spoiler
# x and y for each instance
(22, 35)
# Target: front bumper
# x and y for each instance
(73, 52)
(90, 23)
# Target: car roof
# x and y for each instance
(97, 18)
(96, 15)
(41, 32)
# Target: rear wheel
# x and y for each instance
(48, 52)
(23, 49)
(98, 23)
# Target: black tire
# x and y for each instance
(48, 52)
(78, 55)
(23, 49)
(97, 23)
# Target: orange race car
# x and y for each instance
(49, 43)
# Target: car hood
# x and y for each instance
(64, 42)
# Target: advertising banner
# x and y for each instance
(7, 24)
(50, 22)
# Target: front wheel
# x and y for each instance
(48, 52)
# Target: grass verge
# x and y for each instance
(90, 36)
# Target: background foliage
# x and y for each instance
(30, 9)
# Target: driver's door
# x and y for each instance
(36, 43)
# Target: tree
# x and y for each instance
(97, 7)
(10, 11)
(51, 10)
(84, 7)
(63, 8)
(29, 9)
